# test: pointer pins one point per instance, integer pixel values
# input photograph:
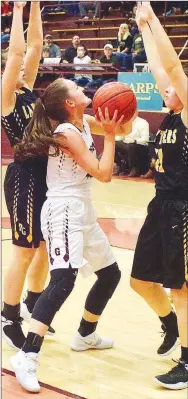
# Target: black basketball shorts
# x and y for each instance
(161, 253)
(24, 199)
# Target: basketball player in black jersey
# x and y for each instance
(161, 255)
(25, 186)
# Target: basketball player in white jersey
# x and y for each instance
(74, 239)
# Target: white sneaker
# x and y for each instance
(91, 341)
(25, 366)
(26, 315)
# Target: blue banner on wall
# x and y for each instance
(145, 88)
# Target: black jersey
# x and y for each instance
(15, 123)
(171, 167)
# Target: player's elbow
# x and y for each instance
(106, 178)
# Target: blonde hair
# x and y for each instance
(124, 35)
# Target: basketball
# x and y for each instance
(115, 95)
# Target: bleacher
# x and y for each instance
(95, 33)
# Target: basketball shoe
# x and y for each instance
(177, 378)
(91, 341)
(25, 367)
(170, 343)
(12, 332)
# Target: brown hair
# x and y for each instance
(38, 135)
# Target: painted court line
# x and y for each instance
(10, 386)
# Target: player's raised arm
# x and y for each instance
(154, 61)
(34, 44)
(14, 60)
(169, 59)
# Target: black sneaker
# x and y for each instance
(12, 332)
(170, 343)
(50, 331)
(177, 378)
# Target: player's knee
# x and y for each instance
(109, 278)
(140, 286)
(60, 286)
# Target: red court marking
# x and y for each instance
(121, 233)
(12, 390)
(5, 223)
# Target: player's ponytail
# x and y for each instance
(38, 135)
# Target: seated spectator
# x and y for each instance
(82, 58)
(124, 42)
(6, 15)
(138, 54)
(108, 58)
(138, 51)
(45, 53)
(5, 36)
(131, 151)
(68, 7)
(124, 39)
(55, 50)
(71, 51)
(84, 7)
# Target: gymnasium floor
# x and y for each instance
(126, 371)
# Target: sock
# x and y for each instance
(11, 312)
(184, 354)
(87, 327)
(31, 299)
(170, 322)
(33, 343)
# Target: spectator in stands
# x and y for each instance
(68, 7)
(45, 53)
(84, 7)
(82, 58)
(138, 50)
(131, 151)
(124, 42)
(6, 15)
(71, 51)
(5, 36)
(55, 50)
(124, 39)
(108, 58)
(138, 54)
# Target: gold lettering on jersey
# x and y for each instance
(28, 110)
(168, 136)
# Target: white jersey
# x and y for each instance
(65, 178)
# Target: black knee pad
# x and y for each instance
(60, 286)
(103, 289)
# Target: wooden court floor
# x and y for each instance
(127, 370)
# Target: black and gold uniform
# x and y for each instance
(25, 182)
(162, 249)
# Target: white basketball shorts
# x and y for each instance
(73, 236)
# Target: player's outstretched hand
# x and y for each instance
(110, 126)
(20, 4)
(144, 13)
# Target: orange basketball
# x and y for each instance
(115, 95)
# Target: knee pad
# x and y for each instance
(60, 286)
(109, 278)
(103, 289)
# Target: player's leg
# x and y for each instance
(36, 278)
(146, 278)
(64, 243)
(98, 253)
(175, 216)
(12, 288)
